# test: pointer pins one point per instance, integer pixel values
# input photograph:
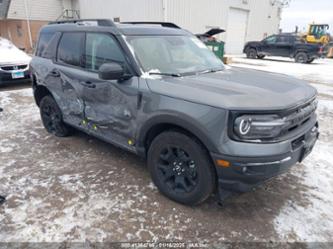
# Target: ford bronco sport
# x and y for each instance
(159, 92)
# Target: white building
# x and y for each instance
(243, 20)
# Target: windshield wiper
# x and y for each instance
(212, 70)
(166, 74)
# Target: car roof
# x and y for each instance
(135, 28)
(288, 34)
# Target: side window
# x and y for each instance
(69, 49)
(101, 48)
(283, 39)
(271, 39)
(44, 39)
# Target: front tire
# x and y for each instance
(301, 57)
(251, 53)
(181, 168)
(310, 60)
(52, 117)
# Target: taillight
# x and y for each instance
(321, 49)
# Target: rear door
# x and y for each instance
(66, 75)
(283, 46)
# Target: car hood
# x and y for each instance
(10, 55)
(236, 89)
(253, 43)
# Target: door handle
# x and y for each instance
(88, 84)
(55, 73)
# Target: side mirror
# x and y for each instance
(111, 71)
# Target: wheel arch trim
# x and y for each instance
(184, 122)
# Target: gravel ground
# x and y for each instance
(81, 189)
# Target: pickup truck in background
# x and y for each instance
(285, 45)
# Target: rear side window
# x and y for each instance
(44, 39)
(69, 49)
(101, 48)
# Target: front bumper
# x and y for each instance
(244, 173)
(6, 78)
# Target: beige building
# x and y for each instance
(243, 20)
(20, 20)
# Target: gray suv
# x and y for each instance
(159, 92)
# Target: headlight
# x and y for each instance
(256, 127)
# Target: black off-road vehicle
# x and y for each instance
(284, 45)
(158, 91)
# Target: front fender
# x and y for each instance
(180, 120)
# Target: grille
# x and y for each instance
(299, 117)
(13, 68)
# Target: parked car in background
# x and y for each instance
(14, 63)
(285, 45)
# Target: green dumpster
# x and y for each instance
(217, 47)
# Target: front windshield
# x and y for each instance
(179, 55)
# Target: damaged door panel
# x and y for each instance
(110, 107)
(66, 77)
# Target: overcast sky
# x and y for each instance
(303, 12)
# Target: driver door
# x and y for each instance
(269, 45)
(110, 106)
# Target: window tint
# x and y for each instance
(270, 39)
(100, 49)
(283, 39)
(44, 39)
(69, 49)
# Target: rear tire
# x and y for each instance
(52, 117)
(301, 57)
(251, 53)
(181, 168)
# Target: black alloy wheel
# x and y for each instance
(181, 167)
(251, 53)
(177, 169)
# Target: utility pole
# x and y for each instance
(28, 23)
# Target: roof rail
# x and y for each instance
(163, 24)
(100, 22)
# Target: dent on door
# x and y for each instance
(73, 105)
(110, 108)
(64, 89)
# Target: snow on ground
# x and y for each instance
(313, 220)
(320, 70)
(79, 188)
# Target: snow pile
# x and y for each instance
(320, 70)
(312, 221)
